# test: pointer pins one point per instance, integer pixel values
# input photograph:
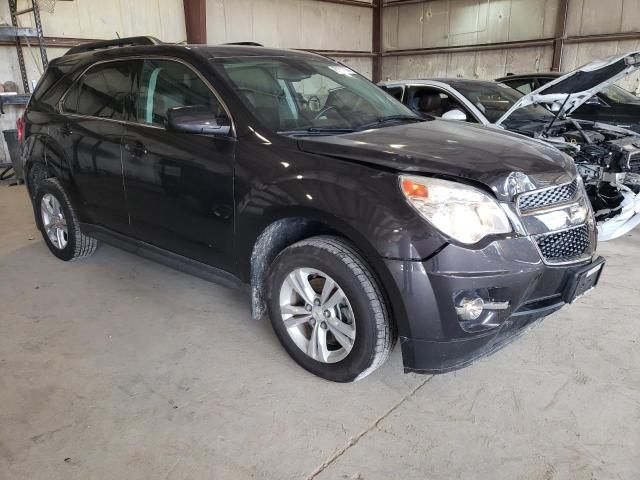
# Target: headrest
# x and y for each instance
(429, 102)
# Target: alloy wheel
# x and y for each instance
(317, 315)
(53, 221)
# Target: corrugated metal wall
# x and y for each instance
(95, 19)
(311, 24)
(460, 23)
(446, 23)
(596, 17)
(305, 24)
(87, 19)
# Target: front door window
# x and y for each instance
(166, 84)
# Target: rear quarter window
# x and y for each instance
(52, 86)
(102, 92)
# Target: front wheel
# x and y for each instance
(327, 309)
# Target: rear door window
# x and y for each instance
(103, 91)
(522, 85)
(166, 84)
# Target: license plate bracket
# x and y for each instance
(583, 280)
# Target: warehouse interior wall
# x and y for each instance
(472, 25)
(597, 17)
(460, 23)
(331, 27)
(304, 24)
(345, 31)
(93, 19)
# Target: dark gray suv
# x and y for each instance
(352, 221)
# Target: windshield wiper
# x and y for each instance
(329, 130)
(320, 130)
(390, 118)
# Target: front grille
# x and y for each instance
(547, 197)
(565, 245)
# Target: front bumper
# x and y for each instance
(625, 221)
(433, 337)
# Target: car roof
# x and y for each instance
(454, 82)
(227, 51)
(206, 51)
(523, 76)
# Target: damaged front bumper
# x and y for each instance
(625, 221)
(508, 273)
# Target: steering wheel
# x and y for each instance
(323, 111)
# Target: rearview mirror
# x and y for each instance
(198, 120)
(455, 114)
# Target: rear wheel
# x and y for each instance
(59, 224)
(327, 309)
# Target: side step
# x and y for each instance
(160, 255)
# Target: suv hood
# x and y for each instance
(575, 88)
(505, 162)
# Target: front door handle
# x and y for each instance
(65, 130)
(135, 148)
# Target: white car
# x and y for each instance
(607, 157)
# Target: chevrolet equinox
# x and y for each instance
(352, 221)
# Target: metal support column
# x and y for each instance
(561, 35)
(376, 41)
(195, 19)
(13, 9)
(15, 34)
(41, 43)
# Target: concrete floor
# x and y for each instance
(116, 367)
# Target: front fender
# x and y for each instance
(368, 208)
(357, 202)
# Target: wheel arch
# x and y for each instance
(287, 230)
(41, 155)
(34, 160)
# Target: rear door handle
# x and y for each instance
(135, 148)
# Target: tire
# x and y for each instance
(74, 243)
(362, 312)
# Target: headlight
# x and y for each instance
(457, 210)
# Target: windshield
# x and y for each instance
(494, 99)
(617, 94)
(309, 95)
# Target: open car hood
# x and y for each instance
(581, 84)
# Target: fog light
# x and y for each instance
(470, 308)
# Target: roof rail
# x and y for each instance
(246, 44)
(117, 42)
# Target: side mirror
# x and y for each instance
(455, 114)
(198, 120)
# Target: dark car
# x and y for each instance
(613, 104)
(353, 221)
